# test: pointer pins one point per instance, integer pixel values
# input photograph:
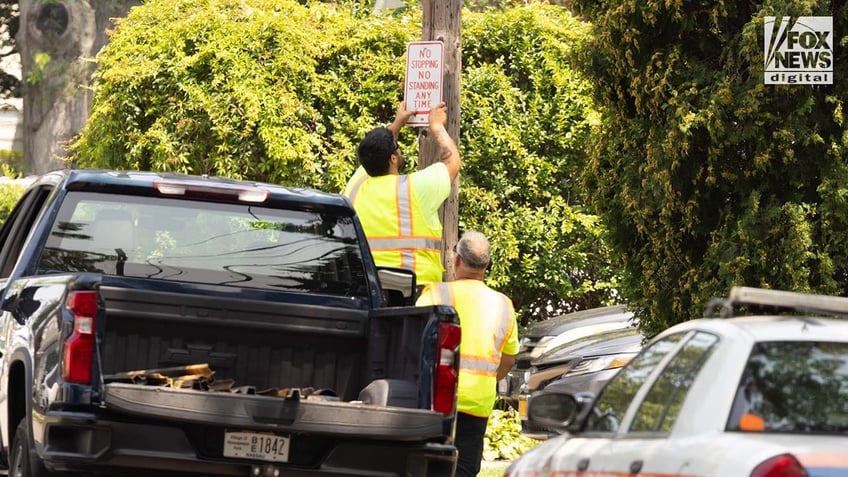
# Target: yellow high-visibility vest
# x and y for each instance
(488, 322)
(395, 225)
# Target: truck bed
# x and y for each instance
(259, 344)
(263, 346)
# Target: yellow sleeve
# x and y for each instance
(511, 345)
(433, 185)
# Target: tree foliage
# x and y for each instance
(282, 91)
(526, 121)
(705, 176)
(9, 23)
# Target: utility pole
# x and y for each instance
(442, 22)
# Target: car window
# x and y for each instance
(794, 387)
(611, 405)
(18, 225)
(662, 403)
(205, 242)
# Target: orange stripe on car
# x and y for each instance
(820, 459)
(590, 473)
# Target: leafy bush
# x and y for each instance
(11, 189)
(280, 91)
(503, 439)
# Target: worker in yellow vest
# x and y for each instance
(400, 213)
(487, 349)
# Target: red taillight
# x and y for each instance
(79, 347)
(784, 465)
(444, 383)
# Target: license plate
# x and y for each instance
(522, 407)
(257, 446)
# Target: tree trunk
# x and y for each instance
(58, 41)
(442, 22)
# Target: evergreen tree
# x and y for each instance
(705, 176)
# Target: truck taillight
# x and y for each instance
(79, 347)
(784, 465)
(212, 190)
(444, 385)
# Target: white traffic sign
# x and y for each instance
(423, 85)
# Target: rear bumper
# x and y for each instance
(120, 448)
(144, 429)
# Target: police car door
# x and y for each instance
(612, 412)
(647, 445)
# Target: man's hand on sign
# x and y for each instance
(401, 117)
(439, 115)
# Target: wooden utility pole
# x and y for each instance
(442, 22)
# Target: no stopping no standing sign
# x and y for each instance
(423, 85)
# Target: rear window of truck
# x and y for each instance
(239, 245)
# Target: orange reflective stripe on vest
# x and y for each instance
(397, 233)
(486, 320)
(485, 364)
(354, 189)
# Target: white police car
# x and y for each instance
(758, 396)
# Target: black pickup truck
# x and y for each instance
(161, 323)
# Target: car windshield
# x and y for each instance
(205, 242)
(793, 387)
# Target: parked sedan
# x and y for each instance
(593, 365)
(583, 365)
(554, 333)
(758, 396)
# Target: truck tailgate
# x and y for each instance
(270, 413)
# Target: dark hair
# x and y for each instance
(375, 151)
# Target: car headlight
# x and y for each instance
(535, 378)
(601, 363)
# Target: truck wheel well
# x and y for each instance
(17, 399)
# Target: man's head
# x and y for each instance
(376, 150)
(473, 252)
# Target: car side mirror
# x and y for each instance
(559, 411)
(398, 286)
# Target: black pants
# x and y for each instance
(469, 442)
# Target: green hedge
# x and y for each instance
(10, 192)
(280, 91)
